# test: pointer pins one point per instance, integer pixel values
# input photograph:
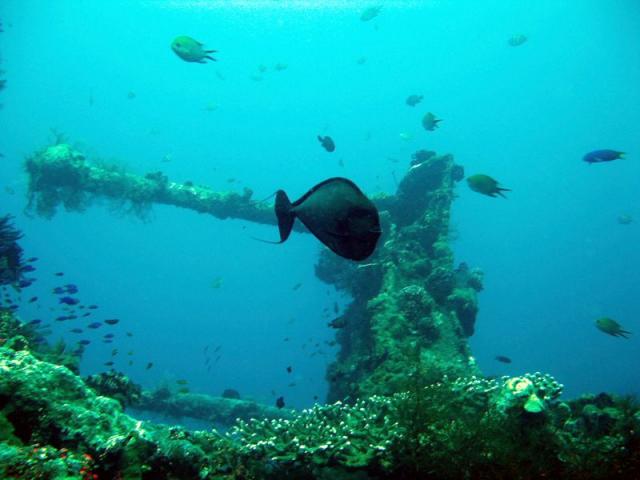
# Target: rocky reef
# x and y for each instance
(507, 428)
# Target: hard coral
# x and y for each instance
(466, 428)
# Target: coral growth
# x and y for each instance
(221, 411)
(61, 175)
(117, 386)
(465, 428)
(17, 335)
(411, 310)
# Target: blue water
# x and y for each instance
(554, 256)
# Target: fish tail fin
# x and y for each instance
(210, 51)
(624, 333)
(284, 214)
(500, 190)
(210, 58)
(621, 154)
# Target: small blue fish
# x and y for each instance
(71, 288)
(33, 299)
(86, 314)
(58, 290)
(69, 301)
(95, 325)
(92, 307)
(76, 330)
(599, 156)
(62, 318)
(28, 268)
(25, 283)
(32, 259)
(84, 342)
(35, 322)
(111, 321)
(108, 335)
(59, 274)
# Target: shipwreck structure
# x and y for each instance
(412, 310)
(414, 407)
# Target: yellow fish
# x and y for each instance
(486, 185)
(611, 327)
(191, 50)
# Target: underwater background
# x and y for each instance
(554, 255)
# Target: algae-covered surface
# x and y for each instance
(301, 240)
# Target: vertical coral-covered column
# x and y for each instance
(412, 311)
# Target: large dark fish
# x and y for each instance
(337, 213)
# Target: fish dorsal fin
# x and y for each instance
(322, 184)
